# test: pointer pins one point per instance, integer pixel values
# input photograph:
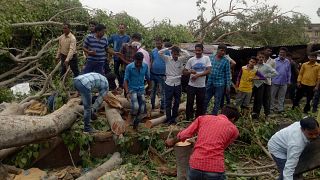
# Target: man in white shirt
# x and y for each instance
(287, 145)
(198, 67)
(174, 68)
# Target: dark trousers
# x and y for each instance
(280, 165)
(292, 89)
(302, 91)
(194, 174)
(172, 93)
(119, 74)
(73, 63)
(315, 101)
(195, 93)
(92, 66)
(262, 96)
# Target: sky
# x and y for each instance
(181, 11)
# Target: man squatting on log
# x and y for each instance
(84, 84)
(215, 133)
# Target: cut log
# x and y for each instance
(15, 108)
(13, 170)
(18, 130)
(182, 151)
(3, 172)
(153, 122)
(124, 102)
(117, 124)
(114, 161)
(113, 101)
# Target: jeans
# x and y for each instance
(172, 93)
(119, 74)
(304, 90)
(280, 164)
(199, 94)
(243, 99)
(157, 80)
(281, 91)
(262, 97)
(86, 101)
(92, 66)
(218, 93)
(225, 96)
(315, 101)
(73, 63)
(194, 174)
(138, 105)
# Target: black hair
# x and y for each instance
(138, 56)
(267, 47)
(93, 23)
(283, 49)
(136, 36)
(158, 39)
(314, 54)
(309, 123)
(254, 58)
(199, 46)
(99, 27)
(231, 112)
(67, 24)
(261, 53)
(222, 46)
(175, 49)
(167, 44)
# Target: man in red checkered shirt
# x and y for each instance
(215, 133)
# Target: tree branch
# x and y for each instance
(63, 11)
(39, 23)
(9, 81)
(44, 88)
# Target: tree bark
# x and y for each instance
(114, 161)
(17, 130)
(153, 122)
(117, 124)
(182, 151)
(6, 152)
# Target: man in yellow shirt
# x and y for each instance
(308, 81)
(67, 51)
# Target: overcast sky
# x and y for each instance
(181, 11)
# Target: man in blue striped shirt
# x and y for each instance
(96, 47)
(84, 84)
(135, 74)
(219, 79)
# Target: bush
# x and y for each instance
(6, 95)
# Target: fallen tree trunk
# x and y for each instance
(117, 124)
(17, 130)
(114, 161)
(6, 152)
(153, 122)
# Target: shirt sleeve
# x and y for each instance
(111, 40)
(72, 48)
(163, 55)
(99, 99)
(228, 74)
(270, 72)
(147, 73)
(190, 130)
(233, 136)
(126, 73)
(289, 73)
(260, 75)
(208, 63)
(86, 42)
(239, 76)
(293, 154)
(188, 65)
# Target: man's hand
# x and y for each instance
(170, 142)
(195, 77)
(299, 84)
(92, 53)
(66, 63)
(129, 97)
(192, 71)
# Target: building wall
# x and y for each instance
(313, 32)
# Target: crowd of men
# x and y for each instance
(209, 76)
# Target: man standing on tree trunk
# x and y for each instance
(85, 84)
(215, 133)
(67, 51)
(135, 74)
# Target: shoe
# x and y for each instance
(94, 116)
(90, 131)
